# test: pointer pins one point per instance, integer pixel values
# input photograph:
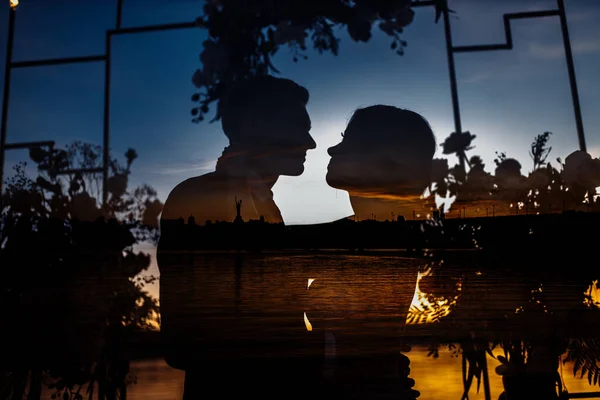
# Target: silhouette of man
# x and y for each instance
(268, 128)
(384, 162)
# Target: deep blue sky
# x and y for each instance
(507, 97)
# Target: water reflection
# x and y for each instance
(487, 331)
(324, 321)
(157, 381)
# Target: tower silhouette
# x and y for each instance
(238, 209)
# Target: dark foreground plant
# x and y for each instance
(71, 293)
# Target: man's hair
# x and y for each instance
(389, 125)
(259, 95)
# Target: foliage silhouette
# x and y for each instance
(546, 189)
(558, 308)
(539, 150)
(459, 143)
(245, 35)
(534, 327)
(70, 288)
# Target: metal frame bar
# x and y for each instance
(508, 45)
(450, 50)
(82, 171)
(507, 32)
(572, 75)
(6, 93)
(73, 60)
(106, 121)
(30, 145)
(57, 61)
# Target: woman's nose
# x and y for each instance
(333, 150)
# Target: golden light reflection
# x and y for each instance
(424, 311)
(14, 4)
(310, 281)
(307, 323)
(592, 294)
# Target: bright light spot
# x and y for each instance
(444, 203)
(592, 294)
(426, 193)
(307, 323)
(425, 310)
(14, 4)
(310, 281)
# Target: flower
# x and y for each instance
(581, 169)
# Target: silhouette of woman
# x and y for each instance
(384, 162)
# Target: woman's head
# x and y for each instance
(385, 150)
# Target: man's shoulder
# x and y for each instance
(204, 185)
(200, 196)
(197, 183)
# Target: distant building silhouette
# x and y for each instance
(191, 220)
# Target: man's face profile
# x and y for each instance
(280, 138)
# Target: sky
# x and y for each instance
(506, 97)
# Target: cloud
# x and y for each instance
(552, 51)
(203, 165)
(477, 77)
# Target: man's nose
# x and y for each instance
(310, 143)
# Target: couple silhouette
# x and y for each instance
(384, 161)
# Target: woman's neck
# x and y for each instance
(389, 207)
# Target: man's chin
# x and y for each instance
(297, 171)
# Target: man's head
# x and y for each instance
(385, 150)
(266, 116)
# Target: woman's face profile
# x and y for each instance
(358, 164)
(348, 165)
(381, 155)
